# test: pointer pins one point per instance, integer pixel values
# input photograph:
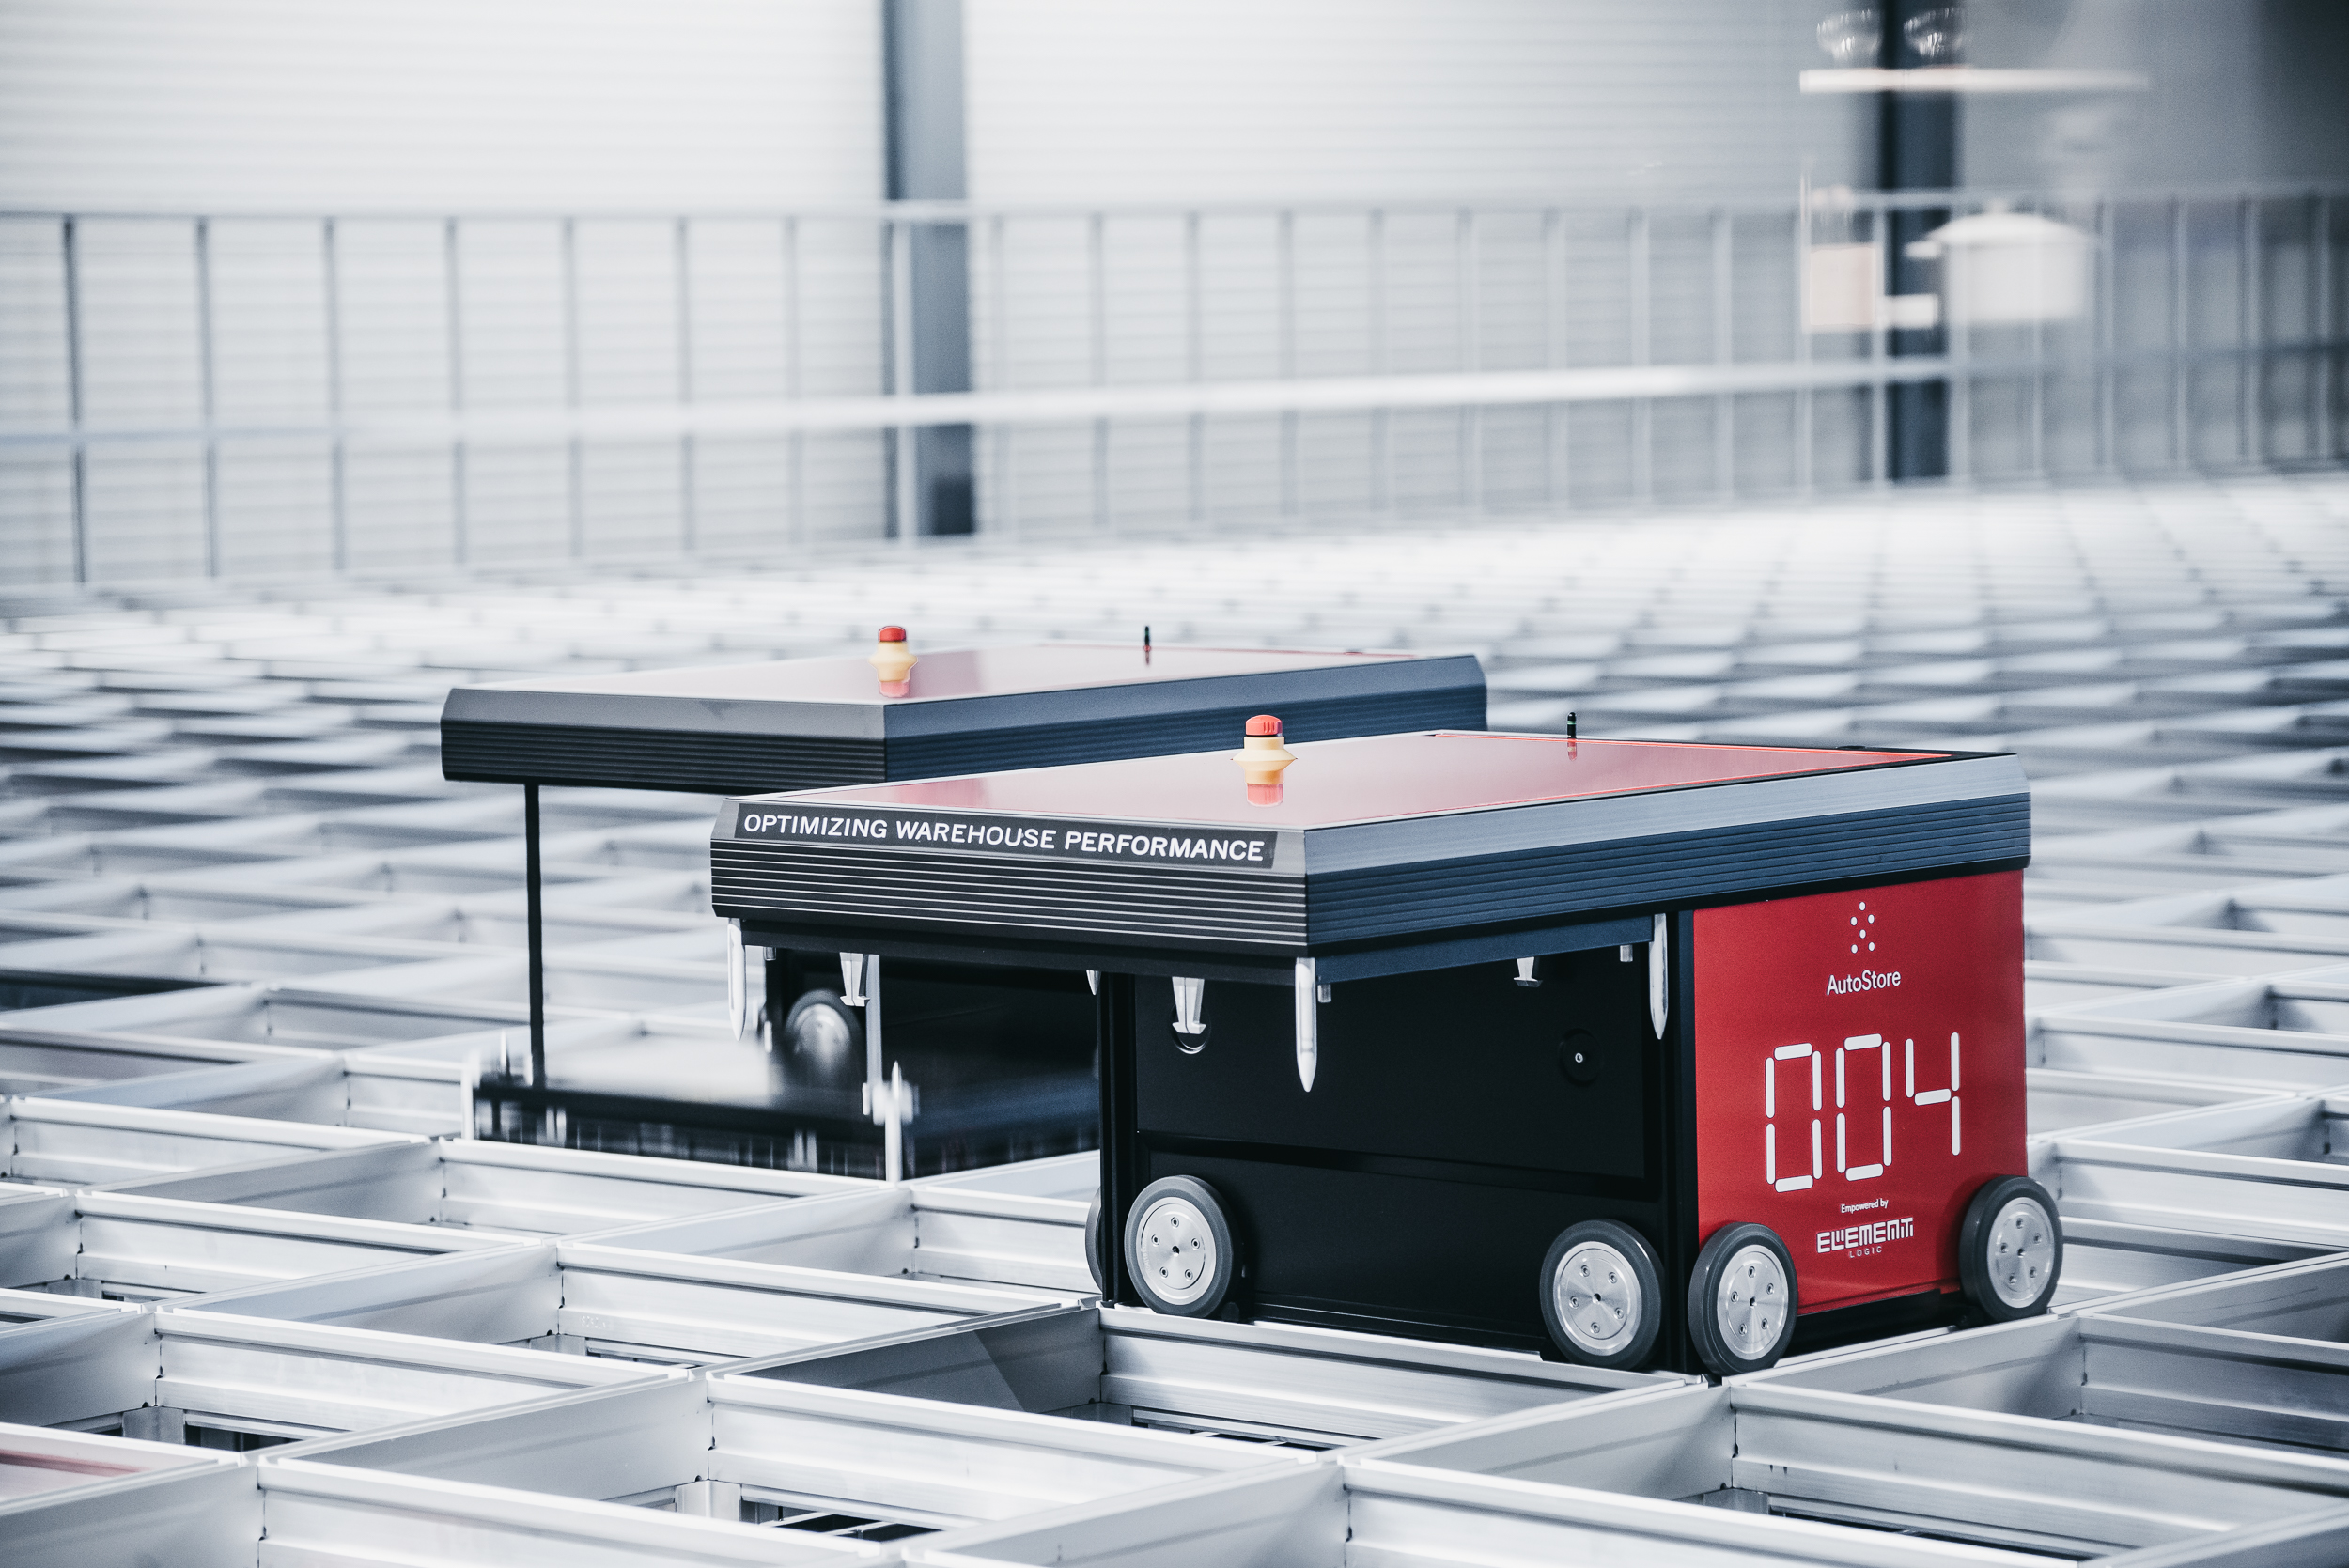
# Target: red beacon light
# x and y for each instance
(893, 661)
(1262, 758)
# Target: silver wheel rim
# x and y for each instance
(821, 1035)
(2019, 1254)
(1176, 1247)
(1598, 1298)
(1750, 1304)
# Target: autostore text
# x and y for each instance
(1864, 1239)
(1866, 980)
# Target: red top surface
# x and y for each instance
(893, 634)
(1372, 777)
(953, 672)
(1264, 723)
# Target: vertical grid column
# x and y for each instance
(1381, 420)
(905, 489)
(575, 496)
(1556, 485)
(2107, 414)
(1957, 338)
(1006, 503)
(1879, 387)
(208, 400)
(793, 387)
(2321, 323)
(1725, 350)
(1804, 441)
(2251, 336)
(1097, 343)
(1468, 306)
(1194, 371)
(331, 271)
(1284, 262)
(460, 544)
(69, 240)
(1637, 258)
(687, 479)
(2038, 388)
(2181, 262)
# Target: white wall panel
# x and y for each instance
(1284, 100)
(390, 115)
(437, 105)
(1588, 107)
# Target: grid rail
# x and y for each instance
(230, 859)
(208, 394)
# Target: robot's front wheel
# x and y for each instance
(2010, 1249)
(1602, 1294)
(1179, 1251)
(1742, 1299)
(822, 1041)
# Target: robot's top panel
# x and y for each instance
(807, 724)
(1385, 838)
(1370, 779)
(944, 674)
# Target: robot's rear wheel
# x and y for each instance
(1602, 1294)
(1742, 1299)
(1179, 1250)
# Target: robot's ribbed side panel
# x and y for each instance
(1673, 869)
(1033, 899)
(653, 759)
(977, 751)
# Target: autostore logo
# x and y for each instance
(1860, 935)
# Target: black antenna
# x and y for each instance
(1569, 726)
(1146, 645)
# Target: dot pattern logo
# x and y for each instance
(1863, 929)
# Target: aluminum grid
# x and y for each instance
(242, 918)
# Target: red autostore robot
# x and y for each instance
(1638, 1053)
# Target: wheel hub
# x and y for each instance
(1597, 1297)
(1750, 1302)
(2021, 1251)
(1175, 1248)
(821, 1034)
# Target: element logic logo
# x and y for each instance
(1867, 1239)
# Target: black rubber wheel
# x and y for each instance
(1180, 1257)
(1602, 1294)
(1742, 1299)
(822, 1041)
(2010, 1249)
(1093, 1247)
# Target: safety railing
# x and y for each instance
(205, 393)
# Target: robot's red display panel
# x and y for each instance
(1859, 1074)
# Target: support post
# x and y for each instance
(70, 238)
(1917, 150)
(536, 918)
(922, 47)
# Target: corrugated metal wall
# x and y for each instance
(437, 105)
(1391, 100)
(1396, 100)
(370, 109)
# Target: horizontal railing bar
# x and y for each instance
(948, 211)
(1331, 394)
